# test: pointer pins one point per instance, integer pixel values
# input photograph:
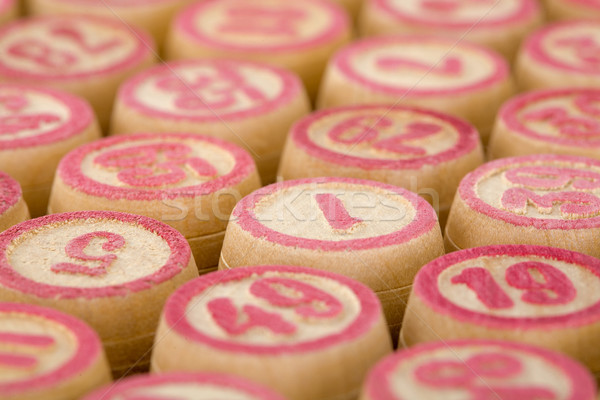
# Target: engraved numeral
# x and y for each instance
(51, 57)
(214, 92)
(450, 66)
(42, 54)
(566, 124)
(23, 361)
(18, 123)
(367, 128)
(541, 283)
(572, 204)
(76, 249)
(78, 38)
(468, 375)
(250, 19)
(480, 281)
(553, 178)
(306, 300)
(334, 211)
(225, 314)
(140, 165)
(584, 47)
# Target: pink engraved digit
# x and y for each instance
(42, 54)
(14, 102)
(30, 340)
(572, 204)
(210, 92)
(481, 281)
(170, 173)
(225, 314)
(307, 300)
(139, 164)
(26, 339)
(585, 48)
(450, 66)
(550, 114)
(553, 178)
(334, 211)
(471, 375)
(250, 19)
(567, 125)
(415, 130)
(77, 37)
(18, 123)
(555, 281)
(76, 249)
(359, 129)
(443, 374)
(17, 360)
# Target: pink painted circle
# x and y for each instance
(210, 90)
(454, 285)
(193, 383)
(87, 351)
(569, 117)
(384, 137)
(132, 167)
(410, 216)
(176, 250)
(58, 47)
(364, 317)
(541, 191)
(460, 14)
(263, 25)
(572, 46)
(32, 116)
(420, 65)
(10, 192)
(420, 363)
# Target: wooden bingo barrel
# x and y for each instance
(184, 386)
(297, 36)
(478, 369)
(9, 10)
(500, 26)
(38, 127)
(548, 200)
(45, 354)
(12, 206)
(190, 182)
(421, 150)
(460, 79)
(375, 233)
(250, 104)
(87, 56)
(300, 325)
(534, 294)
(572, 9)
(152, 16)
(564, 54)
(553, 121)
(113, 270)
